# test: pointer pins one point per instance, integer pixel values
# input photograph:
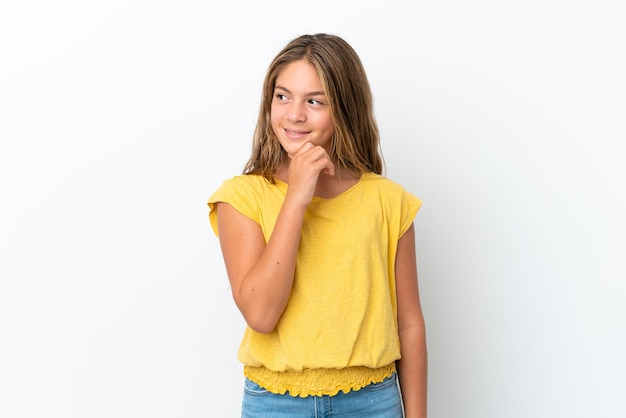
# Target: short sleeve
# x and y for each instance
(409, 208)
(237, 192)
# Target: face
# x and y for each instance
(300, 111)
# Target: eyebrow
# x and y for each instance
(313, 93)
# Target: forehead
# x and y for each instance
(299, 76)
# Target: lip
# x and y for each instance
(295, 133)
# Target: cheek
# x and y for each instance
(274, 124)
(329, 126)
(274, 116)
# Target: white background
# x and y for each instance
(118, 119)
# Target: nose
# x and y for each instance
(296, 112)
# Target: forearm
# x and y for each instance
(265, 289)
(413, 372)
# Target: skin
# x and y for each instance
(261, 275)
(413, 366)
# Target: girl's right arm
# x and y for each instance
(261, 276)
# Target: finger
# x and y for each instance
(330, 169)
(320, 154)
(323, 162)
(304, 148)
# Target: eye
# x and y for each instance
(280, 96)
(316, 102)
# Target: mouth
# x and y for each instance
(295, 133)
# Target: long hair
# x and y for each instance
(355, 143)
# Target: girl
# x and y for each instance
(319, 248)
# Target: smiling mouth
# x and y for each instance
(296, 134)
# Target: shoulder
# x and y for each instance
(393, 195)
(248, 190)
(246, 193)
(244, 183)
(246, 180)
(382, 184)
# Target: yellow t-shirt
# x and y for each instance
(342, 311)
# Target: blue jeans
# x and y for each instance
(377, 400)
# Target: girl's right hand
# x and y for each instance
(305, 168)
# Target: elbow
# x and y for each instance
(260, 323)
(260, 315)
(260, 319)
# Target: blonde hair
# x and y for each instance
(355, 144)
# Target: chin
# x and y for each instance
(291, 148)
